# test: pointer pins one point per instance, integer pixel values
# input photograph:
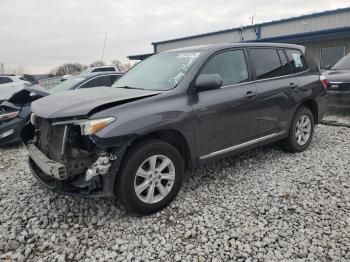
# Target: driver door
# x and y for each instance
(225, 117)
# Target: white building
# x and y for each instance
(325, 34)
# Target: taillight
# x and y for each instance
(324, 81)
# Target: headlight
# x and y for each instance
(32, 118)
(8, 116)
(91, 127)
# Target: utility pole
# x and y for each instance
(104, 46)
(2, 69)
(252, 19)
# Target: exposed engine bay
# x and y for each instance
(67, 160)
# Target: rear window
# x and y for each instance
(297, 60)
(342, 64)
(266, 63)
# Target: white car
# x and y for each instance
(13, 80)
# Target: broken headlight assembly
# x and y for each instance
(8, 116)
(91, 127)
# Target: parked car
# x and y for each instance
(100, 69)
(174, 111)
(13, 80)
(338, 76)
(15, 103)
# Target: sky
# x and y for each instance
(38, 35)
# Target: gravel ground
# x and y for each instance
(262, 205)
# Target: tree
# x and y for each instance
(68, 69)
(97, 63)
(122, 67)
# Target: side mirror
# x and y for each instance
(208, 82)
(327, 67)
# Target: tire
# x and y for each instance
(136, 173)
(293, 143)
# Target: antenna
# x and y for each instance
(104, 46)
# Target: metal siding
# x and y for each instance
(314, 48)
(306, 25)
(289, 27)
(228, 37)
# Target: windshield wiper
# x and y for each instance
(129, 87)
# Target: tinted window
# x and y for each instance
(343, 64)
(5, 80)
(114, 78)
(297, 60)
(285, 64)
(331, 55)
(98, 81)
(104, 69)
(230, 65)
(266, 63)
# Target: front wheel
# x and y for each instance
(150, 177)
(301, 131)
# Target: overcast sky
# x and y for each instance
(38, 35)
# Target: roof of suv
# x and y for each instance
(233, 45)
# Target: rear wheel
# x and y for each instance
(301, 131)
(150, 177)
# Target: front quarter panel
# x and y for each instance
(168, 111)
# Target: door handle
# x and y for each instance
(250, 95)
(293, 85)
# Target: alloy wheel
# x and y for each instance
(154, 179)
(303, 130)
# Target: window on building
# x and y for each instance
(331, 55)
(266, 63)
(230, 65)
(297, 60)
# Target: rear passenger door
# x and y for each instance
(275, 84)
(225, 117)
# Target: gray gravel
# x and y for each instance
(262, 205)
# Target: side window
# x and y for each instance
(5, 80)
(266, 63)
(297, 60)
(105, 80)
(91, 83)
(230, 65)
(114, 78)
(99, 81)
(285, 64)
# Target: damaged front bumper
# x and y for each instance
(52, 175)
(61, 166)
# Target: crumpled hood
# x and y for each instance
(337, 75)
(9, 92)
(82, 101)
(6, 92)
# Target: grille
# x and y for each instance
(339, 86)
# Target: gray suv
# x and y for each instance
(173, 112)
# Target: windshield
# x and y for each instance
(342, 64)
(67, 84)
(159, 72)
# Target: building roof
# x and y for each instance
(319, 14)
